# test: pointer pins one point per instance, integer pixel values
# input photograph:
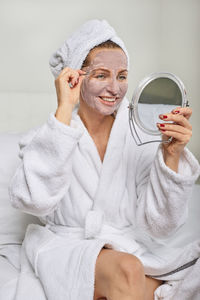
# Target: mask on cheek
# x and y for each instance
(94, 94)
(104, 94)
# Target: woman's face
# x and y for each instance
(106, 84)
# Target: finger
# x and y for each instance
(68, 75)
(179, 119)
(74, 78)
(165, 137)
(66, 70)
(185, 111)
(78, 82)
(79, 78)
(177, 109)
(182, 138)
(81, 71)
(173, 127)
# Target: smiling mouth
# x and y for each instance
(108, 100)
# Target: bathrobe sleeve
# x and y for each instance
(163, 195)
(43, 176)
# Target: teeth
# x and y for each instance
(108, 99)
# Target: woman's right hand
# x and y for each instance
(66, 95)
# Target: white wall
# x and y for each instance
(180, 53)
(159, 35)
(33, 30)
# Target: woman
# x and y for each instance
(97, 115)
(100, 197)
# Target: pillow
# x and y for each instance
(13, 223)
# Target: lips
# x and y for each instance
(108, 102)
(110, 99)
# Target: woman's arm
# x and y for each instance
(43, 176)
(164, 184)
(180, 130)
(163, 194)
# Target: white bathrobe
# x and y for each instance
(131, 202)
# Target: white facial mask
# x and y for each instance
(103, 89)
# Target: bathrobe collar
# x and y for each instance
(111, 170)
(118, 131)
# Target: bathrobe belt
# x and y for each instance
(126, 239)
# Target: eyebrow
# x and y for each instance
(103, 69)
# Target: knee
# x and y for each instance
(132, 270)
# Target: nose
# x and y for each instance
(113, 87)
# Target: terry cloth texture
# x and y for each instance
(129, 202)
(75, 49)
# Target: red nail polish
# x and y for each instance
(177, 111)
(162, 125)
(163, 130)
(164, 117)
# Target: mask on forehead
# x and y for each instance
(103, 89)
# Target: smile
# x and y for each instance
(107, 101)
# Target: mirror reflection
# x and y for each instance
(159, 96)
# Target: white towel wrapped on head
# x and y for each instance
(75, 49)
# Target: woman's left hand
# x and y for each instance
(180, 130)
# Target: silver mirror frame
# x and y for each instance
(133, 107)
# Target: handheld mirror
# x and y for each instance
(158, 93)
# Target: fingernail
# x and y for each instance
(177, 112)
(162, 125)
(162, 129)
(163, 116)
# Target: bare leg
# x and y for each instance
(120, 275)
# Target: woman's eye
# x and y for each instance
(122, 77)
(100, 76)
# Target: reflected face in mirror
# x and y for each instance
(159, 96)
(106, 83)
